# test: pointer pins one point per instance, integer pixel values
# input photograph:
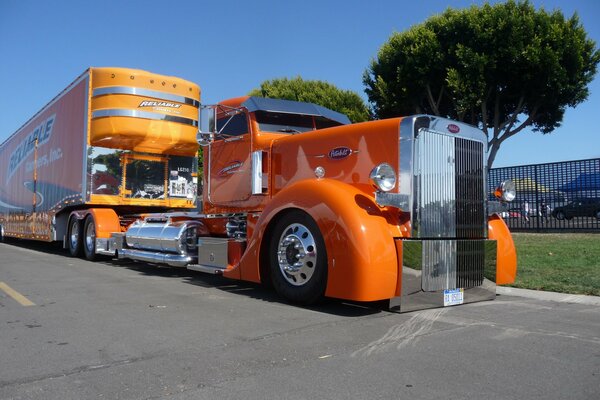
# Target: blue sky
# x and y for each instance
(229, 48)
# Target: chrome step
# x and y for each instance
(206, 268)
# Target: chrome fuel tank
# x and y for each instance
(170, 236)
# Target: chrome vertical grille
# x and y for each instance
(448, 183)
(448, 208)
(470, 186)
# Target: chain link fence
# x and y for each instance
(561, 196)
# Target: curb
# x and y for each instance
(549, 296)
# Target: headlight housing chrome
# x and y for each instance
(506, 191)
(383, 177)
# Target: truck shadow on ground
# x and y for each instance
(238, 288)
(248, 289)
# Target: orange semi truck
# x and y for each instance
(292, 194)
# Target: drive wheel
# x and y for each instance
(298, 259)
(89, 238)
(74, 237)
(560, 215)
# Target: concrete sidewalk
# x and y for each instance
(549, 296)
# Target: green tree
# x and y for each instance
(318, 92)
(502, 67)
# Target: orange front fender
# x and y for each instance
(359, 238)
(506, 266)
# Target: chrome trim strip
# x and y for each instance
(85, 194)
(384, 199)
(117, 112)
(174, 260)
(145, 92)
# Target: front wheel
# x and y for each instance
(598, 214)
(298, 259)
(560, 215)
(89, 240)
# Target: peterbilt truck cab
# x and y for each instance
(296, 196)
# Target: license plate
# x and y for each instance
(453, 297)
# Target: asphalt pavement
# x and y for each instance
(124, 330)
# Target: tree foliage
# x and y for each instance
(318, 92)
(503, 67)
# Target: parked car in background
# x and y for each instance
(578, 208)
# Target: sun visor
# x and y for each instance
(293, 107)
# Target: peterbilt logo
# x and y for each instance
(231, 168)
(453, 128)
(339, 153)
(147, 103)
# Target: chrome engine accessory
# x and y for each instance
(236, 227)
(163, 240)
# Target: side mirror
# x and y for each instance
(208, 125)
(204, 138)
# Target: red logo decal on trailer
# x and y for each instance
(453, 128)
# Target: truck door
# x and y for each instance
(230, 164)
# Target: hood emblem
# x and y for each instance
(453, 128)
(339, 153)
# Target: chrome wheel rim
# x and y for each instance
(297, 254)
(90, 237)
(74, 236)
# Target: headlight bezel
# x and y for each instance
(383, 177)
(506, 191)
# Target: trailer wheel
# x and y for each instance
(89, 238)
(298, 259)
(74, 237)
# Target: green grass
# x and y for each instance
(561, 262)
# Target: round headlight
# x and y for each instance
(383, 177)
(506, 191)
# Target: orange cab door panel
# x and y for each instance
(230, 170)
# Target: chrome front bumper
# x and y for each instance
(432, 267)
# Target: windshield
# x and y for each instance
(291, 123)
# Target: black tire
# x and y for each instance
(74, 237)
(299, 273)
(1, 234)
(560, 215)
(597, 214)
(89, 238)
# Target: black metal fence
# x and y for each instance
(552, 197)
